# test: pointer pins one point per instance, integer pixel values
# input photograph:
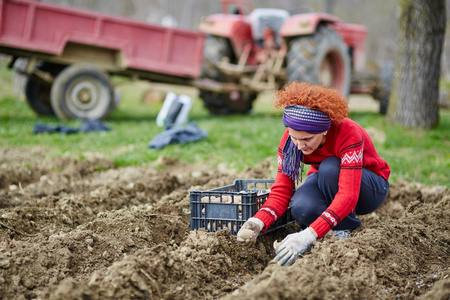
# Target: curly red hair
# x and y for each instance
(314, 97)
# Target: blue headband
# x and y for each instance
(302, 118)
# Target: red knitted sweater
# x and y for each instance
(347, 141)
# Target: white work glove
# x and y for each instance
(294, 245)
(252, 224)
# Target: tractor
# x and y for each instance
(250, 50)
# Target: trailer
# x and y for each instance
(71, 54)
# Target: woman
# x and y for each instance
(346, 176)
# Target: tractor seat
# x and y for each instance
(263, 18)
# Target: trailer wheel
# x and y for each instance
(83, 92)
(321, 58)
(37, 94)
(37, 90)
(216, 49)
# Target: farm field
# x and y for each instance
(87, 229)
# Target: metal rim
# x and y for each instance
(331, 71)
(87, 97)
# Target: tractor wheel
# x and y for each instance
(383, 88)
(82, 92)
(216, 49)
(37, 94)
(321, 58)
(227, 103)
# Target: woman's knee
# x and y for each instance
(372, 194)
(330, 167)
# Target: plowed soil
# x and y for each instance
(90, 230)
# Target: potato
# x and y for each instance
(226, 199)
(246, 234)
(275, 244)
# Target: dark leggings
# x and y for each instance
(319, 189)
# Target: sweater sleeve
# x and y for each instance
(280, 192)
(350, 147)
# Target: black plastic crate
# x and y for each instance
(230, 206)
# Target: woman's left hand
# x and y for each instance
(294, 245)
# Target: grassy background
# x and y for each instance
(235, 141)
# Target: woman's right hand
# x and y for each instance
(250, 230)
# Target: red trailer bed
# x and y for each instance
(71, 35)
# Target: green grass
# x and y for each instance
(237, 141)
(414, 155)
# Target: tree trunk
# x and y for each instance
(414, 97)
